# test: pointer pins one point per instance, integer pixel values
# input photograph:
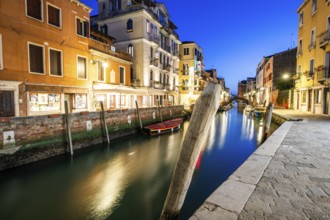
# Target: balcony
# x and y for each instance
(168, 86)
(158, 85)
(324, 39)
(154, 39)
(154, 62)
(322, 74)
(308, 74)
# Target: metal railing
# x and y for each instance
(324, 38)
(322, 74)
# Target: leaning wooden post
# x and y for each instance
(196, 136)
(67, 122)
(268, 119)
(138, 113)
(160, 113)
(104, 123)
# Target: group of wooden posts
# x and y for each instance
(68, 130)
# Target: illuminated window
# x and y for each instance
(36, 58)
(54, 15)
(130, 50)
(130, 25)
(34, 9)
(148, 26)
(82, 67)
(55, 62)
(80, 101)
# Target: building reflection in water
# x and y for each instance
(247, 126)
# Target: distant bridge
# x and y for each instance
(239, 98)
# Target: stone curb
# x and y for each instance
(230, 198)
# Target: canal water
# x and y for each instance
(129, 179)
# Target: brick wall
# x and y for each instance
(40, 137)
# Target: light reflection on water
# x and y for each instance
(129, 179)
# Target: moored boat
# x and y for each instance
(164, 127)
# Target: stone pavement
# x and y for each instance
(287, 177)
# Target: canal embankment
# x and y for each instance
(28, 139)
(285, 178)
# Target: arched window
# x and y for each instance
(130, 50)
(130, 25)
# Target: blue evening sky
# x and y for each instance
(234, 35)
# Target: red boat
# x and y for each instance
(164, 127)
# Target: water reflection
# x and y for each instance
(128, 180)
(247, 126)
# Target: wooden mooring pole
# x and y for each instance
(68, 130)
(159, 111)
(196, 136)
(268, 120)
(138, 113)
(104, 123)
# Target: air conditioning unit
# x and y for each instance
(113, 49)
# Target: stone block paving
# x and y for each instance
(296, 183)
(288, 177)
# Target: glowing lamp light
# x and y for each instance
(105, 64)
(286, 76)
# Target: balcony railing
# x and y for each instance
(309, 74)
(154, 62)
(322, 74)
(324, 39)
(154, 39)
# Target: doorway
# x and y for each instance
(7, 107)
(310, 100)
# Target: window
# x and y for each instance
(151, 75)
(129, 25)
(314, 6)
(1, 57)
(313, 39)
(36, 58)
(39, 102)
(299, 70)
(301, 19)
(82, 27)
(121, 75)
(148, 26)
(299, 52)
(34, 9)
(115, 5)
(104, 29)
(82, 67)
(311, 66)
(54, 15)
(101, 70)
(317, 94)
(55, 62)
(185, 51)
(130, 50)
(80, 101)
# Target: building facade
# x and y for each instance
(191, 81)
(47, 58)
(144, 30)
(312, 92)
